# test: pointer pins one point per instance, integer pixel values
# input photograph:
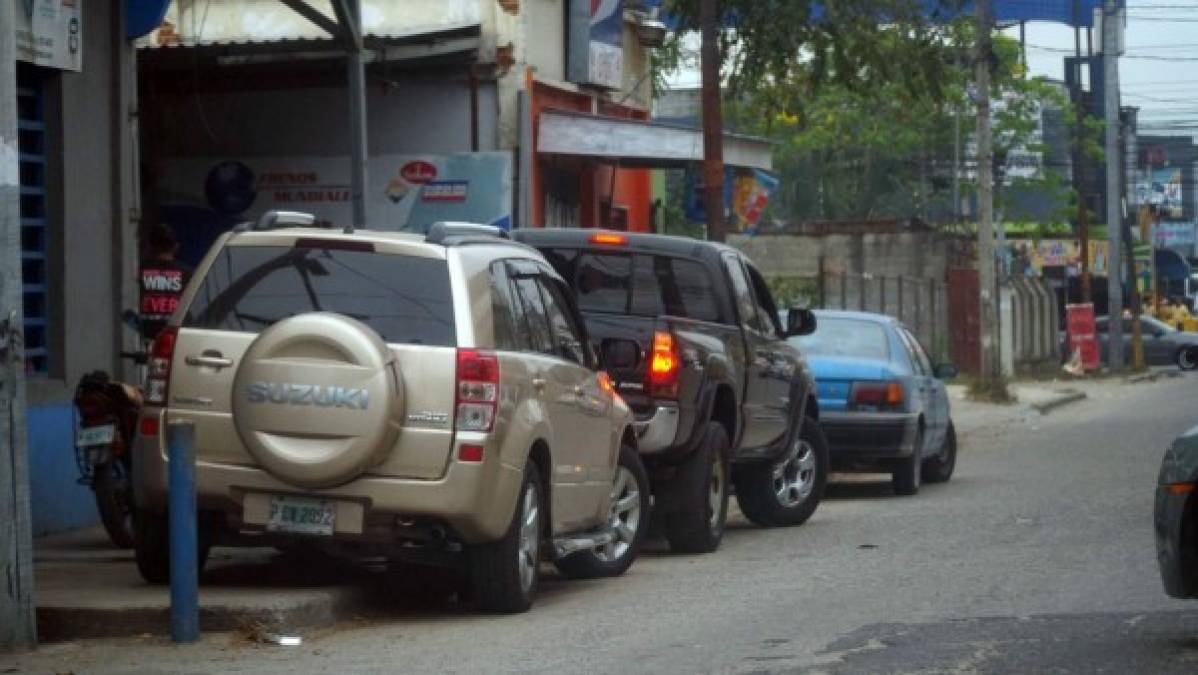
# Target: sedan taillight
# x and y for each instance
(876, 396)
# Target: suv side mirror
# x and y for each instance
(947, 371)
(618, 353)
(800, 321)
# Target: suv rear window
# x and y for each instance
(637, 284)
(404, 299)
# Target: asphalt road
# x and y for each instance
(1037, 557)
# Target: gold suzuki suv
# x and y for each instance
(429, 398)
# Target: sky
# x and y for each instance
(1158, 72)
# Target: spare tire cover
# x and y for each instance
(317, 399)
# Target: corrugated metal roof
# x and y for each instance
(240, 22)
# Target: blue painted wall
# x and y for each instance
(59, 502)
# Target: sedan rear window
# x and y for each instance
(404, 299)
(846, 337)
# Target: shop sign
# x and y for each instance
(1170, 234)
(49, 33)
(404, 193)
(1029, 258)
(1163, 190)
(595, 54)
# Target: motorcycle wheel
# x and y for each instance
(114, 500)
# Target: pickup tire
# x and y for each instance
(628, 517)
(786, 491)
(503, 574)
(697, 523)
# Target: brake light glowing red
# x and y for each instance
(158, 377)
(609, 239)
(664, 366)
(477, 390)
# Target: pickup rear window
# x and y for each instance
(637, 284)
(405, 299)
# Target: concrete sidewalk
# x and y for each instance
(86, 588)
(1031, 399)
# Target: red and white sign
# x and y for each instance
(1079, 321)
(419, 172)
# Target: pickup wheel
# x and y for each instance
(697, 524)
(503, 574)
(628, 518)
(786, 491)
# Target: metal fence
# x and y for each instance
(921, 304)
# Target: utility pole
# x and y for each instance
(713, 121)
(350, 16)
(990, 380)
(1079, 159)
(1114, 216)
(18, 630)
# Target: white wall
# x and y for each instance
(544, 44)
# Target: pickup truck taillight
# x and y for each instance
(158, 375)
(876, 395)
(477, 390)
(664, 366)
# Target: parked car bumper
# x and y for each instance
(475, 501)
(659, 430)
(867, 435)
(1175, 547)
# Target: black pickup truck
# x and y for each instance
(689, 333)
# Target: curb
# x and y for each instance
(1153, 376)
(1066, 398)
(60, 624)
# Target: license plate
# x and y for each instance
(298, 515)
(102, 435)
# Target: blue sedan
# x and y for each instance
(882, 404)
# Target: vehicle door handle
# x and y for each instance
(208, 360)
(538, 383)
(578, 390)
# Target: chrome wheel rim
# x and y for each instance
(530, 536)
(715, 494)
(794, 474)
(624, 516)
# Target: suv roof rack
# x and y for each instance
(449, 234)
(274, 220)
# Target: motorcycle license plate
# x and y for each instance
(300, 515)
(101, 435)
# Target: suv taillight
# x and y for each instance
(477, 390)
(158, 376)
(664, 366)
(876, 395)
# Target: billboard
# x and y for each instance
(50, 33)
(202, 197)
(595, 54)
(1162, 189)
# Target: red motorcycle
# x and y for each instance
(105, 428)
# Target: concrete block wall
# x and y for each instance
(906, 254)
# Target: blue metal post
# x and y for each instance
(185, 592)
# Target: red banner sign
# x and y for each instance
(1083, 337)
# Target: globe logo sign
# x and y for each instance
(229, 188)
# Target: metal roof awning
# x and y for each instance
(643, 144)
